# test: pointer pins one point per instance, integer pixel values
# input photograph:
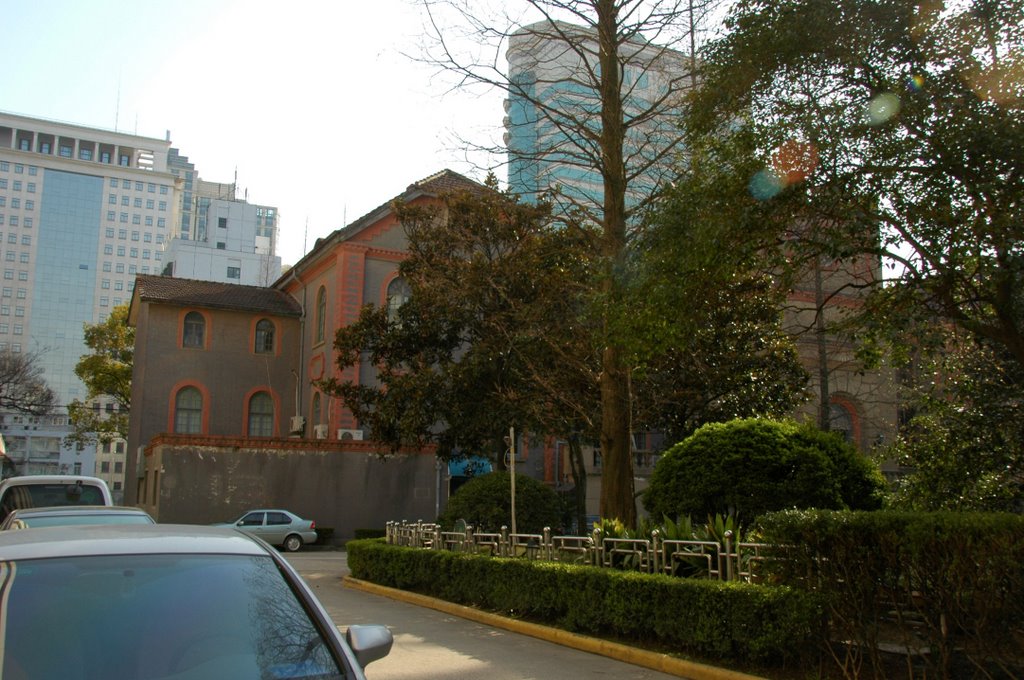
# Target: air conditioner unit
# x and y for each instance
(320, 431)
(351, 435)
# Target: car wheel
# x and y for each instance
(292, 543)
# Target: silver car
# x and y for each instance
(176, 602)
(276, 527)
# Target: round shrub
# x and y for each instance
(485, 502)
(751, 466)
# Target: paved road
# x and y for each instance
(431, 645)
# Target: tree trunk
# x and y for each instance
(579, 479)
(617, 501)
(617, 490)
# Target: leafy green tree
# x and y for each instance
(106, 372)
(890, 129)
(752, 466)
(22, 385)
(495, 333)
(963, 449)
(486, 503)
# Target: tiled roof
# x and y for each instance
(443, 182)
(446, 181)
(210, 294)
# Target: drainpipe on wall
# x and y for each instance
(297, 419)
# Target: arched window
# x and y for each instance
(194, 330)
(316, 408)
(264, 337)
(321, 314)
(188, 411)
(840, 420)
(261, 415)
(398, 295)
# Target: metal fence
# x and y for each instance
(726, 561)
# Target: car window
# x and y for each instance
(278, 518)
(43, 495)
(157, 616)
(74, 520)
(253, 519)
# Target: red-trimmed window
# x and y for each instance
(194, 331)
(188, 411)
(261, 415)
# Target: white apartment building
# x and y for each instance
(221, 238)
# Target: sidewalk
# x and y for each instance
(639, 657)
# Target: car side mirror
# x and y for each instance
(369, 643)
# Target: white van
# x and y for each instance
(37, 491)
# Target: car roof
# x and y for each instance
(53, 479)
(78, 510)
(126, 539)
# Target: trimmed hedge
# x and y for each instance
(738, 622)
(949, 583)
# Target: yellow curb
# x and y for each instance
(638, 657)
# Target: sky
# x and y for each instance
(319, 106)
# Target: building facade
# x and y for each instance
(82, 212)
(553, 123)
(220, 237)
(226, 416)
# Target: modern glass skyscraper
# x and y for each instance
(553, 113)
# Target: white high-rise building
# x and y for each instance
(220, 237)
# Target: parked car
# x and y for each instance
(137, 602)
(38, 491)
(276, 527)
(71, 515)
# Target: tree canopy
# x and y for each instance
(107, 373)
(23, 387)
(892, 128)
(492, 335)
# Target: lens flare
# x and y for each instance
(883, 108)
(794, 161)
(764, 185)
(915, 83)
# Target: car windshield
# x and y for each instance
(172, 617)
(44, 495)
(83, 518)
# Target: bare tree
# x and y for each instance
(22, 387)
(595, 90)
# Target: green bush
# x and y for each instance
(751, 466)
(951, 583)
(736, 622)
(485, 503)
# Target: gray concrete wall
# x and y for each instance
(213, 481)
